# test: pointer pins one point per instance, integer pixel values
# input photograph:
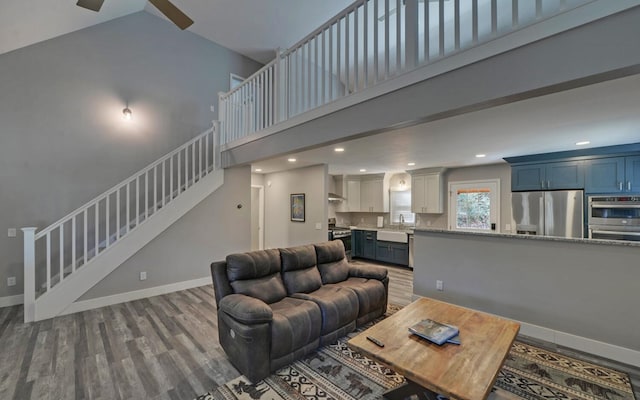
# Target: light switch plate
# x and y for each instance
(11, 281)
(318, 225)
(12, 232)
(143, 275)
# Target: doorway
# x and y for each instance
(257, 217)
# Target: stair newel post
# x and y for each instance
(29, 274)
(215, 144)
(222, 114)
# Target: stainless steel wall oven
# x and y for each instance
(614, 217)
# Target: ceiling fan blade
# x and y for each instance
(173, 13)
(93, 5)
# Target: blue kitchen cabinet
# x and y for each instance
(369, 245)
(527, 177)
(564, 175)
(548, 176)
(357, 242)
(605, 175)
(613, 175)
(392, 252)
(632, 174)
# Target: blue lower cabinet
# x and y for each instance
(357, 242)
(392, 252)
(369, 245)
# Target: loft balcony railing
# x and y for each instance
(370, 42)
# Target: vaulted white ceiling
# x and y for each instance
(255, 28)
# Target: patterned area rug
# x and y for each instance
(337, 372)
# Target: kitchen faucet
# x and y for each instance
(401, 219)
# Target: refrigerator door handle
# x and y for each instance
(542, 226)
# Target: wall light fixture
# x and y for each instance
(126, 113)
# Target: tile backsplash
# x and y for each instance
(366, 219)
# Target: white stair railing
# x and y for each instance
(74, 241)
(370, 42)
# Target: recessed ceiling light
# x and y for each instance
(583, 143)
(411, 164)
(481, 155)
(258, 169)
(292, 160)
(339, 149)
(363, 170)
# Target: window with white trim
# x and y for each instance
(475, 206)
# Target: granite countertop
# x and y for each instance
(533, 237)
(407, 230)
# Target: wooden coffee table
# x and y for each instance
(465, 371)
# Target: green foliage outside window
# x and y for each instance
(474, 210)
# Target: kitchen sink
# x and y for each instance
(393, 236)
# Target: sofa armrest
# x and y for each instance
(368, 271)
(245, 309)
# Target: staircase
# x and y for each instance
(64, 260)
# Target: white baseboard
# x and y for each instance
(90, 304)
(9, 301)
(601, 349)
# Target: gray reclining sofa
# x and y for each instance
(277, 305)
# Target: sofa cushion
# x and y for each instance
(371, 293)
(339, 306)
(299, 269)
(296, 323)
(257, 274)
(332, 263)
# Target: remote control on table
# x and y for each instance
(375, 341)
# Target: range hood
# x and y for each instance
(335, 197)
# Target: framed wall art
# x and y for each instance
(297, 207)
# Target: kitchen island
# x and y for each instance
(580, 293)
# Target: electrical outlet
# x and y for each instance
(143, 275)
(318, 225)
(11, 281)
(440, 285)
(507, 227)
(12, 232)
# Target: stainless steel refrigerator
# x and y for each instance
(553, 213)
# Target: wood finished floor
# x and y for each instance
(163, 347)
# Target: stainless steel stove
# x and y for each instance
(341, 233)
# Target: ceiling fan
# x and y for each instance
(164, 6)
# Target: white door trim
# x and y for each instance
(260, 216)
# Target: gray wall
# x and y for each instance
(62, 138)
(209, 232)
(568, 287)
(280, 231)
